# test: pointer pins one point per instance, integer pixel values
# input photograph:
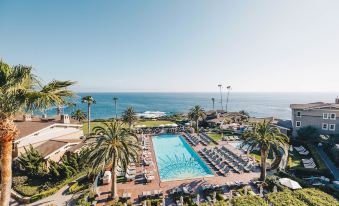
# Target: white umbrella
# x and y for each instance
(214, 197)
(145, 204)
(163, 201)
(181, 200)
(245, 190)
(275, 189)
(290, 183)
(198, 200)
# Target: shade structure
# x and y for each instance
(290, 183)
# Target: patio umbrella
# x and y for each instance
(163, 201)
(275, 189)
(181, 200)
(214, 197)
(261, 190)
(198, 200)
(145, 204)
(245, 190)
(290, 183)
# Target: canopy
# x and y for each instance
(290, 183)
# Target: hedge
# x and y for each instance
(249, 201)
(284, 198)
(314, 197)
(26, 190)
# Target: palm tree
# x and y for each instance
(129, 116)
(89, 100)
(79, 115)
(115, 99)
(268, 139)
(195, 114)
(21, 91)
(213, 100)
(114, 146)
(220, 87)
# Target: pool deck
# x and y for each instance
(139, 185)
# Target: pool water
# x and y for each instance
(177, 160)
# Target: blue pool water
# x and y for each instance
(177, 160)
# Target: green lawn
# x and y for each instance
(148, 123)
(215, 136)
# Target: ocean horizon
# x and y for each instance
(258, 104)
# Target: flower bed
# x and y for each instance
(314, 197)
(284, 198)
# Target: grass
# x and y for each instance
(215, 136)
(148, 123)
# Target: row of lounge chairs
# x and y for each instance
(194, 140)
(186, 190)
(230, 138)
(130, 173)
(301, 150)
(204, 139)
(309, 163)
(147, 159)
(151, 194)
(216, 160)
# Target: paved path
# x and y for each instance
(328, 163)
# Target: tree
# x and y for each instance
(267, 138)
(89, 100)
(33, 163)
(213, 100)
(195, 114)
(21, 91)
(308, 133)
(129, 116)
(79, 115)
(114, 146)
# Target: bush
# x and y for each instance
(308, 133)
(44, 194)
(26, 190)
(272, 181)
(19, 180)
(284, 198)
(314, 197)
(249, 201)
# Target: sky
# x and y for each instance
(175, 45)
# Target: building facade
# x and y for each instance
(320, 115)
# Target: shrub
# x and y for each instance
(308, 133)
(284, 198)
(314, 197)
(272, 181)
(19, 180)
(26, 190)
(249, 201)
(44, 194)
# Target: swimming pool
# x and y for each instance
(177, 160)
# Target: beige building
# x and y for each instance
(51, 136)
(323, 116)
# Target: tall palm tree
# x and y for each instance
(21, 91)
(115, 146)
(213, 100)
(268, 139)
(220, 87)
(89, 100)
(195, 114)
(79, 115)
(129, 116)
(115, 99)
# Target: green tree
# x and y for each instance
(79, 115)
(89, 100)
(308, 133)
(21, 91)
(197, 113)
(114, 146)
(267, 138)
(129, 116)
(33, 163)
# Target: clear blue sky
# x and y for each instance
(176, 45)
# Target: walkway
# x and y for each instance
(331, 166)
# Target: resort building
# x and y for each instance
(320, 115)
(51, 136)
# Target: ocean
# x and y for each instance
(257, 104)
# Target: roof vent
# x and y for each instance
(65, 119)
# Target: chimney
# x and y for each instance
(27, 118)
(337, 100)
(65, 119)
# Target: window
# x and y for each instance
(298, 114)
(325, 115)
(332, 127)
(298, 123)
(333, 116)
(325, 126)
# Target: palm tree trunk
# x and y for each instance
(89, 118)
(114, 178)
(197, 126)
(8, 132)
(263, 160)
